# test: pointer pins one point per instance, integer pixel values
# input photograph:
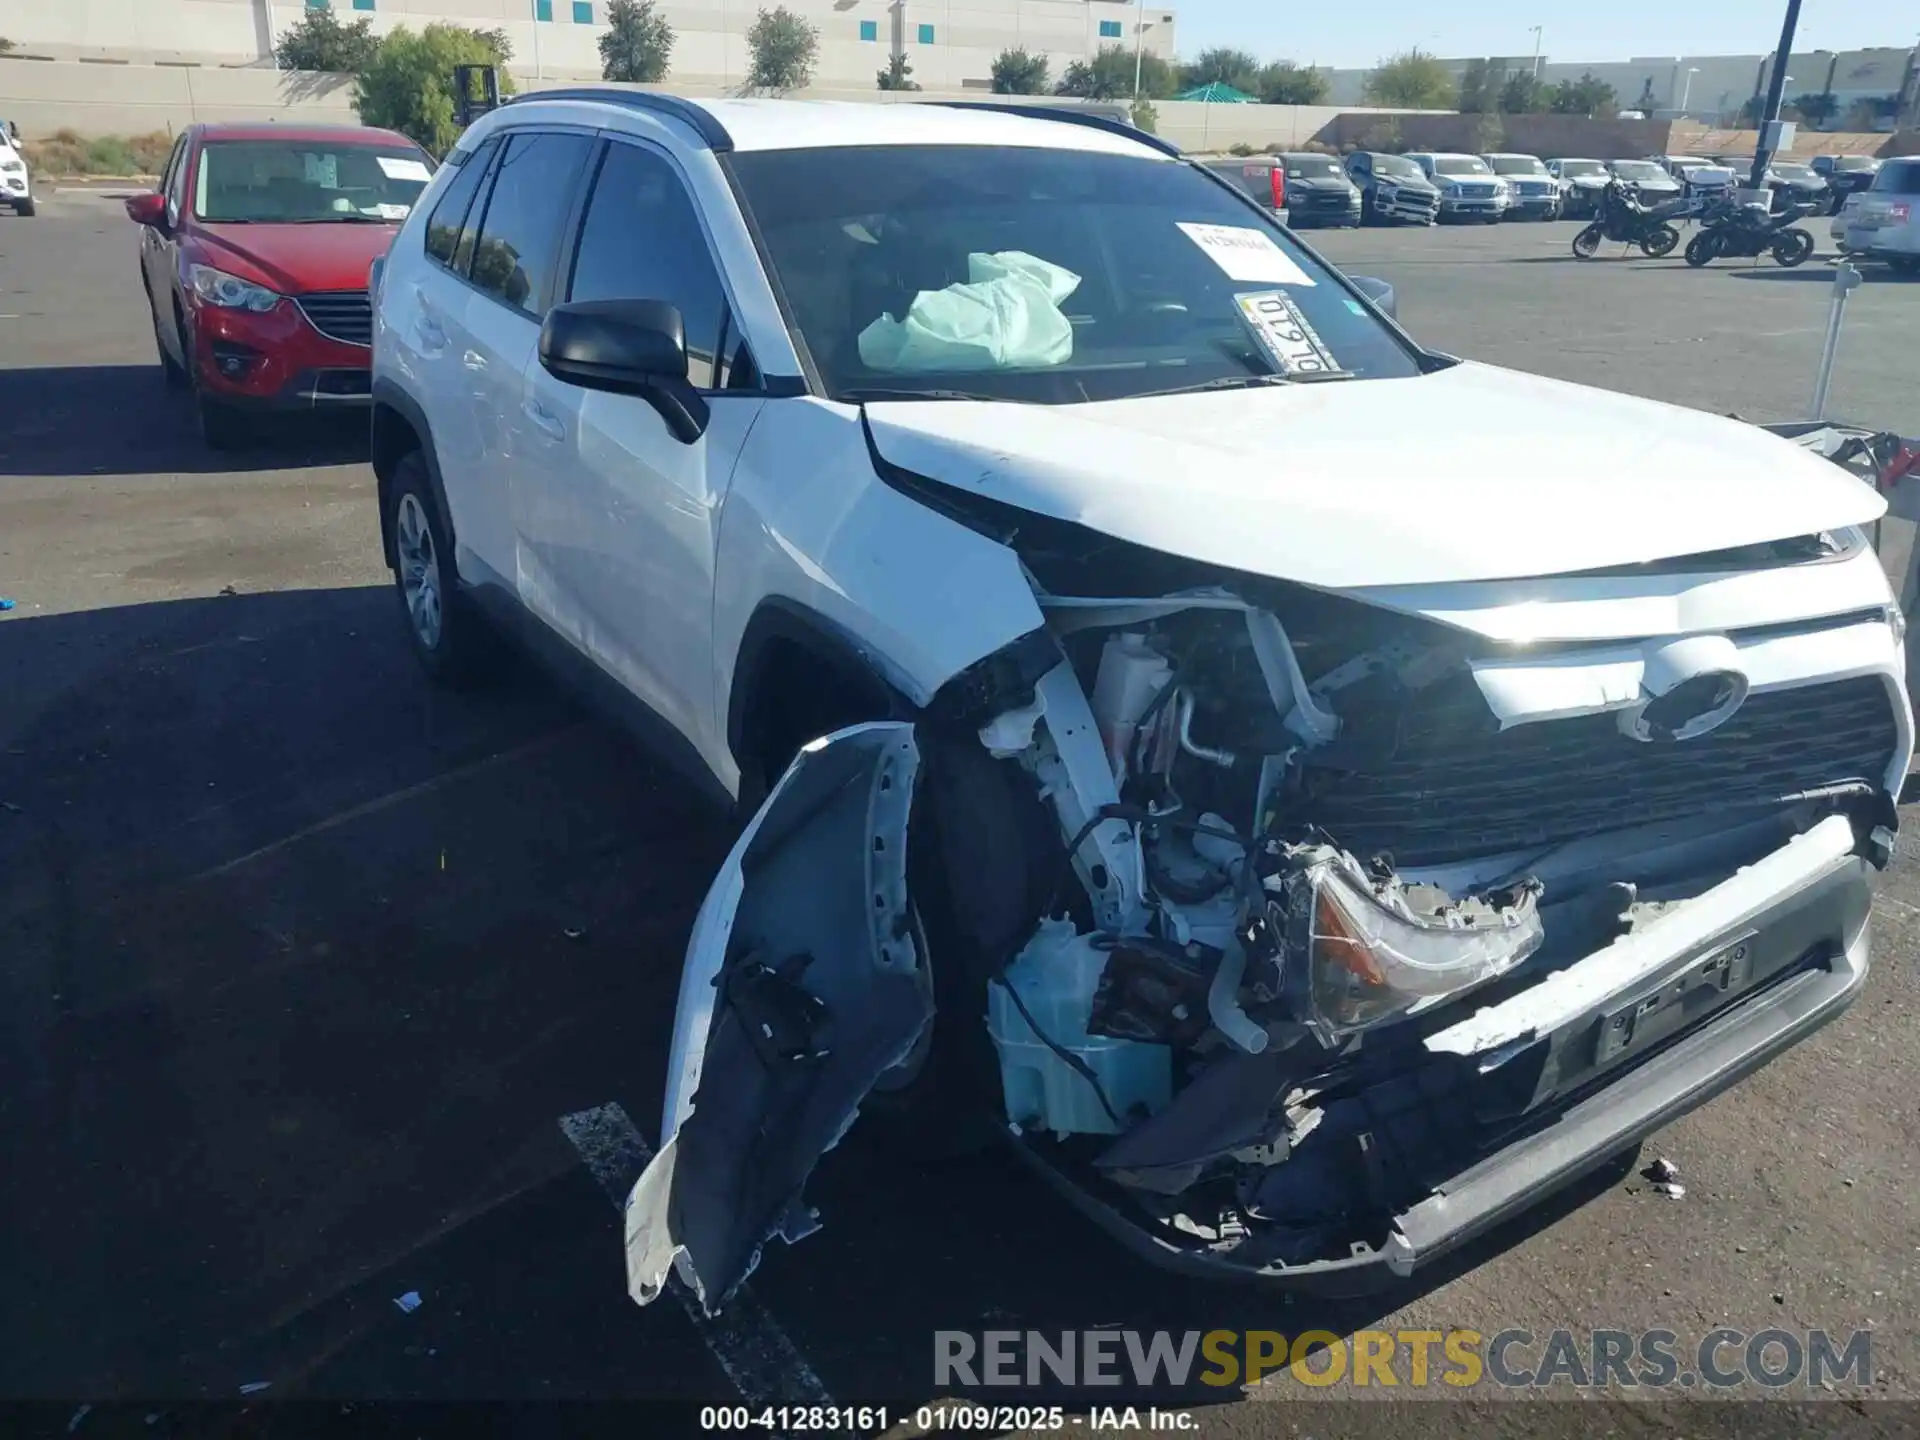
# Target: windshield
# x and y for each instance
(1853, 162)
(1638, 170)
(243, 181)
(1898, 177)
(1796, 172)
(1517, 165)
(1573, 168)
(1460, 165)
(1311, 167)
(1050, 276)
(1397, 166)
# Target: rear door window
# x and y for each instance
(455, 212)
(519, 238)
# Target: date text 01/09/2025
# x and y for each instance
(931, 1419)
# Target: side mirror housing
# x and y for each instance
(626, 347)
(1376, 290)
(148, 208)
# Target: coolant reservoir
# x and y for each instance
(1056, 976)
(1131, 673)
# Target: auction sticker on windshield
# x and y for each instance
(1282, 331)
(404, 168)
(1246, 254)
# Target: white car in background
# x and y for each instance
(1702, 179)
(1582, 183)
(1533, 189)
(16, 180)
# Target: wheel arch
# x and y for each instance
(397, 427)
(789, 649)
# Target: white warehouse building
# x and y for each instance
(951, 44)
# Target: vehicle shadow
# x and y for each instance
(122, 420)
(304, 957)
(1816, 274)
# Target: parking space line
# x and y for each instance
(763, 1364)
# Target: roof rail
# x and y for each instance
(1066, 115)
(701, 119)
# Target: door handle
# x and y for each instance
(544, 420)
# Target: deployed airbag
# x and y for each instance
(1007, 316)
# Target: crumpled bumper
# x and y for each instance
(1653, 1044)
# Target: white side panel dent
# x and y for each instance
(808, 522)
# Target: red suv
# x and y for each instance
(254, 251)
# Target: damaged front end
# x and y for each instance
(1374, 921)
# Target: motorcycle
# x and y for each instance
(1732, 231)
(1624, 218)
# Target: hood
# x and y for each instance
(1586, 182)
(1320, 182)
(1405, 182)
(1386, 482)
(296, 259)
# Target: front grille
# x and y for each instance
(345, 315)
(1477, 192)
(1448, 785)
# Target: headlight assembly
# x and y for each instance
(230, 292)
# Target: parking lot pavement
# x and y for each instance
(304, 962)
(1732, 337)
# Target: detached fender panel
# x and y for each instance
(803, 984)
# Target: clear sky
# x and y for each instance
(1360, 32)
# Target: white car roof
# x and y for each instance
(757, 124)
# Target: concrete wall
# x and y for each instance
(710, 35)
(44, 96)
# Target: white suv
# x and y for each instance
(16, 180)
(1306, 822)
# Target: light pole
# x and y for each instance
(1139, 35)
(1770, 112)
(1686, 91)
(1536, 51)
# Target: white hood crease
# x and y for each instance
(1474, 473)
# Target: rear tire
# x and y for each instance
(1659, 241)
(24, 207)
(1792, 247)
(448, 636)
(1587, 243)
(1904, 264)
(1702, 248)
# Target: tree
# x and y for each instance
(6, 45)
(1522, 93)
(1144, 116)
(1819, 108)
(1587, 96)
(1489, 134)
(784, 47)
(1480, 86)
(1411, 80)
(498, 42)
(1223, 65)
(1109, 76)
(1285, 83)
(318, 41)
(638, 44)
(1019, 72)
(1648, 101)
(408, 84)
(898, 75)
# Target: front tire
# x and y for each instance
(1659, 241)
(1792, 247)
(1702, 248)
(221, 426)
(1587, 243)
(24, 207)
(448, 638)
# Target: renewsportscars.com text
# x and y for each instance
(1515, 1359)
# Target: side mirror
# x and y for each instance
(1378, 291)
(626, 347)
(148, 208)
